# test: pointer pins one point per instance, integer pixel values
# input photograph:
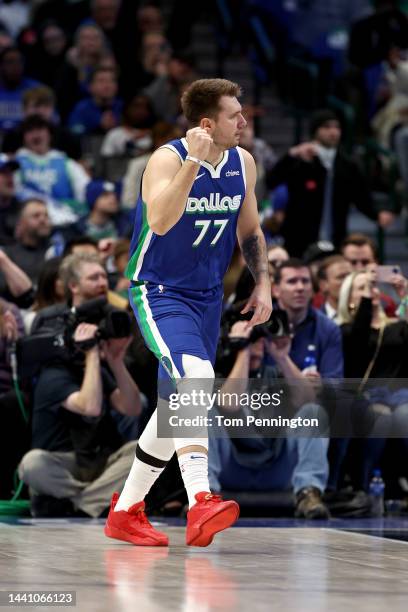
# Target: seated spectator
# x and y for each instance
(265, 464)
(13, 423)
(375, 347)
(9, 203)
(50, 291)
(133, 137)
(121, 258)
(89, 51)
(371, 37)
(265, 159)
(15, 284)
(13, 83)
(102, 111)
(46, 56)
(78, 457)
(41, 101)
(32, 234)
(331, 274)
(104, 219)
(104, 14)
(50, 174)
(361, 252)
(165, 91)
(162, 133)
(323, 183)
(390, 124)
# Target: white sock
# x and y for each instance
(141, 478)
(194, 471)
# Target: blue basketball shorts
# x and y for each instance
(177, 322)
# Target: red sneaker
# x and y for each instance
(209, 516)
(133, 526)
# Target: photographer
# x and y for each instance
(266, 464)
(78, 457)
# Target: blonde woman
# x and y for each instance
(375, 347)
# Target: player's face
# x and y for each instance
(229, 123)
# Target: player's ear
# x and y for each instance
(206, 123)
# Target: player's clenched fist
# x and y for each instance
(199, 142)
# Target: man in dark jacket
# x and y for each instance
(322, 184)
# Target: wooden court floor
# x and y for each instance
(270, 565)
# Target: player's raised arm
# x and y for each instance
(166, 183)
(253, 247)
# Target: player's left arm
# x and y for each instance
(253, 246)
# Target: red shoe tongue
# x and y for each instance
(136, 508)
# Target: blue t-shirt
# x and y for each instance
(11, 103)
(86, 116)
(195, 253)
(319, 330)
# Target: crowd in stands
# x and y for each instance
(84, 101)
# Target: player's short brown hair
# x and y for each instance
(202, 97)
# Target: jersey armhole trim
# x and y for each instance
(171, 148)
(241, 157)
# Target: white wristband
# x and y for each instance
(193, 159)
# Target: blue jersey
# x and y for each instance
(195, 253)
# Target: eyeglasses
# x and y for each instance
(364, 262)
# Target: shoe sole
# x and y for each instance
(118, 534)
(203, 534)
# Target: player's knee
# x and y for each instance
(195, 367)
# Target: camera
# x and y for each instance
(276, 327)
(54, 341)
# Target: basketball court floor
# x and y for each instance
(260, 564)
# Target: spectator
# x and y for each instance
(372, 36)
(361, 252)
(331, 274)
(102, 111)
(50, 173)
(121, 258)
(33, 231)
(165, 91)
(15, 15)
(133, 137)
(375, 348)
(265, 464)
(50, 291)
(90, 50)
(77, 454)
(277, 255)
(13, 83)
(47, 56)
(13, 425)
(104, 14)
(390, 124)
(15, 285)
(162, 132)
(265, 159)
(9, 204)
(151, 58)
(322, 183)
(104, 219)
(41, 101)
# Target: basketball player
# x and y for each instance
(197, 196)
